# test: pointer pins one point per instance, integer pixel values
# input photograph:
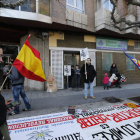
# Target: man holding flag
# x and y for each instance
(26, 64)
(18, 88)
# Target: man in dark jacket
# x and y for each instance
(3, 126)
(17, 81)
(91, 74)
(70, 77)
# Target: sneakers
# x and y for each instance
(86, 98)
(25, 109)
(93, 97)
(12, 113)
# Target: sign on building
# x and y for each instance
(67, 70)
(111, 44)
(84, 54)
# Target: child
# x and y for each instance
(106, 80)
(77, 77)
(112, 78)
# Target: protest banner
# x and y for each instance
(120, 122)
(60, 126)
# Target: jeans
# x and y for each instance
(16, 90)
(106, 85)
(91, 88)
(5, 132)
(70, 81)
(109, 83)
(77, 82)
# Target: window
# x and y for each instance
(129, 63)
(44, 7)
(76, 5)
(11, 1)
(106, 61)
(29, 6)
(108, 5)
(137, 45)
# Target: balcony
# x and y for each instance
(36, 10)
(103, 21)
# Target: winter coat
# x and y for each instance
(72, 73)
(113, 77)
(106, 79)
(2, 110)
(113, 70)
(77, 75)
(91, 73)
(16, 77)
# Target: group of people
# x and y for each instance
(17, 81)
(89, 74)
(114, 75)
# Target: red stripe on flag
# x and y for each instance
(25, 72)
(35, 52)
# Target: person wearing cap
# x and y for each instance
(3, 112)
(17, 81)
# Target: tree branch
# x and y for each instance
(127, 22)
(12, 5)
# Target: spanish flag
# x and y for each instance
(28, 63)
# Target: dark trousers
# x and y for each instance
(70, 81)
(77, 82)
(6, 82)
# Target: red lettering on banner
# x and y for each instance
(39, 122)
(92, 120)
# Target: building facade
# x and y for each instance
(60, 29)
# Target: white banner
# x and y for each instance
(67, 70)
(84, 54)
(60, 126)
(113, 123)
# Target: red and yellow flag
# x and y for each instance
(28, 63)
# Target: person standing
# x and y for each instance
(3, 112)
(77, 77)
(91, 74)
(5, 71)
(106, 81)
(113, 69)
(70, 77)
(17, 81)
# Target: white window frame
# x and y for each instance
(83, 10)
(135, 46)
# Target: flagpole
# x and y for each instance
(5, 80)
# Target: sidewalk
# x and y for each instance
(46, 103)
(67, 92)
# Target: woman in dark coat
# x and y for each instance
(113, 69)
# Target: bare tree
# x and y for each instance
(129, 23)
(11, 5)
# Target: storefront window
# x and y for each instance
(11, 1)
(106, 61)
(29, 6)
(129, 63)
(44, 7)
